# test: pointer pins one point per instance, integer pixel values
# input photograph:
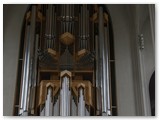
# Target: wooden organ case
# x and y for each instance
(66, 68)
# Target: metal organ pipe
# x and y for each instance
(103, 72)
(67, 10)
(101, 62)
(87, 112)
(50, 30)
(63, 19)
(81, 103)
(86, 20)
(56, 107)
(42, 112)
(79, 26)
(81, 37)
(62, 10)
(67, 18)
(81, 16)
(74, 108)
(97, 61)
(46, 30)
(64, 103)
(84, 27)
(65, 97)
(72, 19)
(48, 103)
(27, 69)
(98, 76)
(105, 68)
(55, 26)
(53, 37)
(34, 76)
(107, 75)
(54, 33)
(50, 20)
(87, 30)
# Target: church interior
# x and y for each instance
(79, 60)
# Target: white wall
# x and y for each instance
(134, 67)
(148, 58)
(12, 25)
(123, 60)
(145, 57)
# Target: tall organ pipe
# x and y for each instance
(53, 27)
(50, 19)
(79, 26)
(97, 61)
(25, 71)
(83, 17)
(87, 33)
(34, 75)
(46, 29)
(81, 40)
(50, 30)
(65, 97)
(98, 77)
(104, 67)
(107, 75)
(84, 28)
(86, 20)
(67, 21)
(27, 68)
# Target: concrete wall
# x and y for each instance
(123, 62)
(134, 67)
(13, 16)
(145, 57)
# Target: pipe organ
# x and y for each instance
(66, 62)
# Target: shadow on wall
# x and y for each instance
(152, 93)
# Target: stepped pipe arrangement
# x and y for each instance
(66, 69)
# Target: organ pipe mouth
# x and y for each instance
(81, 86)
(81, 91)
(49, 89)
(65, 73)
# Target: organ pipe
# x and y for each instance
(105, 68)
(27, 68)
(48, 103)
(65, 97)
(81, 103)
(71, 75)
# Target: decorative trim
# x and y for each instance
(141, 41)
